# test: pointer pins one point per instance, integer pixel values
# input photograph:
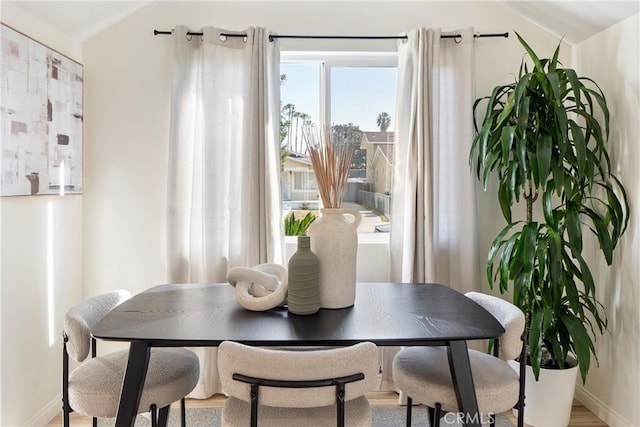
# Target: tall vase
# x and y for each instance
(334, 240)
(304, 274)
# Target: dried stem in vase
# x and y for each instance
(331, 162)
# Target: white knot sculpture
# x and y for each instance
(260, 288)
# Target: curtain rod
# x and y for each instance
(298, 36)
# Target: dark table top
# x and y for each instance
(384, 313)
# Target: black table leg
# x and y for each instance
(463, 382)
(133, 383)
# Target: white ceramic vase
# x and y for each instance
(334, 240)
(548, 401)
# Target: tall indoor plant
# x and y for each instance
(544, 137)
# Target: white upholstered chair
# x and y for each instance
(281, 388)
(423, 373)
(93, 388)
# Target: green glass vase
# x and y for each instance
(304, 279)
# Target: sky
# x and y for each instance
(358, 95)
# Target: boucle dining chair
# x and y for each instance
(93, 388)
(320, 387)
(423, 373)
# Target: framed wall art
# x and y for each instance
(40, 118)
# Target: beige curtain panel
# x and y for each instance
(224, 163)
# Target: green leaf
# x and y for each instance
(517, 263)
(554, 61)
(575, 83)
(602, 233)
(505, 200)
(585, 276)
(506, 111)
(532, 55)
(476, 104)
(561, 117)
(582, 344)
(505, 261)
(543, 154)
(535, 339)
(621, 206)
(574, 229)
(490, 162)
(494, 248)
(513, 180)
(519, 97)
(602, 102)
(521, 152)
(555, 256)
(541, 255)
(508, 133)
(580, 146)
(554, 81)
(547, 207)
(558, 177)
(572, 293)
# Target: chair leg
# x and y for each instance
(409, 403)
(94, 422)
(65, 417)
(436, 415)
(163, 416)
(183, 412)
(66, 409)
(254, 405)
(154, 415)
(521, 413)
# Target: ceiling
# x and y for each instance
(80, 19)
(573, 20)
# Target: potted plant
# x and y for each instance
(544, 138)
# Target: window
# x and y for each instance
(304, 181)
(355, 93)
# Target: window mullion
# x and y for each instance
(325, 96)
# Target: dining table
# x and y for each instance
(387, 314)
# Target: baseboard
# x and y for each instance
(46, 414)
(599, 408)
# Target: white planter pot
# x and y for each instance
(334, 241)
(548, 401)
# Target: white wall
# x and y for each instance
(612, 391)
(41, 273)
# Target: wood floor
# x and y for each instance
(580, 416)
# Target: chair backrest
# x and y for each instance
(81, 318)
(297, 366)
(510, 317)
